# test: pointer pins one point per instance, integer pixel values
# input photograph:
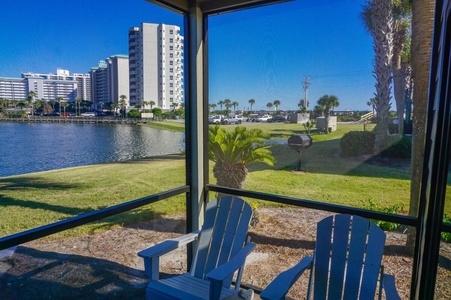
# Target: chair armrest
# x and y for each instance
(388, 284)
(169, 245)
(152, 255)
(280, 286)
(222, 272)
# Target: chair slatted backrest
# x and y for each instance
(223, 234)
(348, 257)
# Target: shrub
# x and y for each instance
(446, 236)
(134, 113)
(400, 147)
(356, 143)
(395, 209)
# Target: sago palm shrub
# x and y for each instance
(233, 150)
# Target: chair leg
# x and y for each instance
(247, 295)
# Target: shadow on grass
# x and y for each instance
(49, 275)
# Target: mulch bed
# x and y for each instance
(105, 265)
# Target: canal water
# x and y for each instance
(34, 147)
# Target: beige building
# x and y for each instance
(156, 65)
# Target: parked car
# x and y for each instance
(232, 120)
(88, 114)
(262, 118)
(280, 119)
(217, 119)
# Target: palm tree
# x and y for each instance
(372, 104)
(123, 103)
(381, 28)
(227, 104)
(151, 103)
(174, 105)
(235, 105)
(233, 150)
(79, 100)
(221, 103)
(400, 42)
(64, 105)
(269, 105)
(59, 99)
(251, 102)
(52, 104)
(276, 104)
(213, 106)
(114, 108)
(31, 95)
(101, 105)
(422, 28)
(329, 102)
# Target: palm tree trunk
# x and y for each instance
(398, 80)
(422, 27)
(381, 17)
(230, 175)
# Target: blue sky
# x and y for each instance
(262, 53)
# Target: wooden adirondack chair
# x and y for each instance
(346, 263)
(222, 249)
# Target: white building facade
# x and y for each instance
(62, 84)
(156, 65)
(110, 80)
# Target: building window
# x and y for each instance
(171, 62)
(171, 31)
(171, 70)
(171, 40)
(171, 85)
(171, 55)
(171, 77)
(171, 47)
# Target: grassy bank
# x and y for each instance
(37, 199)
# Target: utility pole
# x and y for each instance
(305, 85)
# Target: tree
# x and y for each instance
(235, 105)
(122, 104)
(276, 104)
(269, 105)
(114, 107)
(422, 28)
(213, 106)
(221, 103)
(174, 105)
(59, 99)
(251, 102)
(227, 104)
(157, 112)
(64, 105)
(301, 105)
(101, 105)
(233, 150)
(31, 96)
(381, 29)
(372, 104)
(401, 12)
(329, 102)
(79, 100)
(52, 104)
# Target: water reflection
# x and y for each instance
(31, 147)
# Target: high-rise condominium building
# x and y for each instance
(47, 86)
(62, 84)
(156, 65)
(110, 80)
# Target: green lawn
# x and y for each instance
(37, 199)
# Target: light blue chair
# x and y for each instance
(222, 248)
(346, 263)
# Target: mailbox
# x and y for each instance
(299, 142)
